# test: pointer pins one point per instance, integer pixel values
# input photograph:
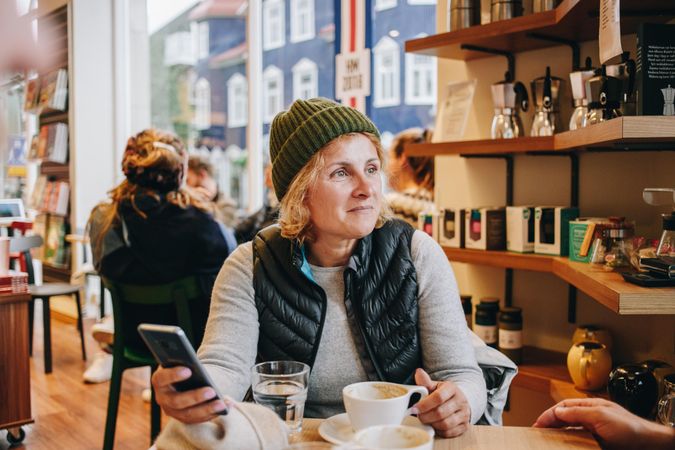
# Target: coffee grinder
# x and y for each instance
(625, 71)
(545, 92)
(578, 83)
(508, 98)
(604, 97)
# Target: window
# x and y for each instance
(202, 101)
(237, 101)
(274, 24)
(203, 45)
(420, 79)
(178, 49)
(302, 20)
(305, 79)
(387, 73)
(421, 2)
(384, 4)
(273, 92)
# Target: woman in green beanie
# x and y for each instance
(336, 284)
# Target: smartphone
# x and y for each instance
(171, 348)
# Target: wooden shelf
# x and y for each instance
(55, 170)
(575, 20)
(623, 133)
(607, 288)
(545, 371)
(610, 289)
(510, 260)
(55, 273)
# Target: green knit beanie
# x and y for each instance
(297, 134)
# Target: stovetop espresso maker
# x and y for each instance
(545, 93)
(578, 80)
(508, 97)
(604, 97)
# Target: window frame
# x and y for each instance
(431, 70)
(296, 14)
(202, 102)
(271, 42)
(386, 46)
(272, 73)
(381, 5)
(302, 67)
(237, 80)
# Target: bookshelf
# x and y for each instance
(47, 98)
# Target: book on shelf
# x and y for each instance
(56, 251)
(40, 229)
(50, 196)
(38, 192)
(14, 282)
(32, 94)
(52, 143)
(54, 90)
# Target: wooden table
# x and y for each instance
(487, 437)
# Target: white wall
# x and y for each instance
(610, 184)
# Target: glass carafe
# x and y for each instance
(666, 407)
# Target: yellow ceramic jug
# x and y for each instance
(592, 333)
(589, 364)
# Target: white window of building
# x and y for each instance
(237, 101)
(420, 79)
(178, 49)
(385, 4)
(202, 101)
(273, 92)
(302, 20)
(203, 33)
(421, 2)
(274, 24)
(305, 79)
(387, 73)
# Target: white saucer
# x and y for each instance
(338, 430)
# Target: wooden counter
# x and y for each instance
(14, 363)
(488, 437)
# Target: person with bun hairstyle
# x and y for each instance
(155, 229)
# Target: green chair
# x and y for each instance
(167, 304)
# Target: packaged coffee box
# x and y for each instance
(655, 70)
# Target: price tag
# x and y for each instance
(610, 30)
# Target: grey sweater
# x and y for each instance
(230, 342)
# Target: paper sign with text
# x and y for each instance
(609, 39)
(352, 74)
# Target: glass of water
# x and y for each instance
(282, 387)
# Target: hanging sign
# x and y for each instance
(352, 75)
(609, 39)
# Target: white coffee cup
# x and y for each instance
(373, 403)
(394, 437)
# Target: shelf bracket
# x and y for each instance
(571, 304)
(508, 287)
(511, 60)
(574, 180)
(576, 54)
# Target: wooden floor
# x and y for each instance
(70, 414)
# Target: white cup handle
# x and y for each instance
(413, 390)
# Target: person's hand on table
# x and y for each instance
(612, 425)
(446, 408)
(194, 406)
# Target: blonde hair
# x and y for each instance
(153, 162)
(294, 215)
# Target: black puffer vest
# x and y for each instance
(380, 285)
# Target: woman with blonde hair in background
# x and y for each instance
(410, 177)
(155, 230)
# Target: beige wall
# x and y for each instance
(610, 184)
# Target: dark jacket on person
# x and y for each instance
(246, 229)
(380, 295)
(169, 244)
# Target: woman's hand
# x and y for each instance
(445, 408)
(611, 424)
(197, 405)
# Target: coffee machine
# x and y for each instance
(625, 71)
(545, 92)
(509, 98)
(578, 83)
(604, 97)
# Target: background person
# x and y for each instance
(333, 283)
(248, 227)
(154, 230)
(613, 426)
(201, 178)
